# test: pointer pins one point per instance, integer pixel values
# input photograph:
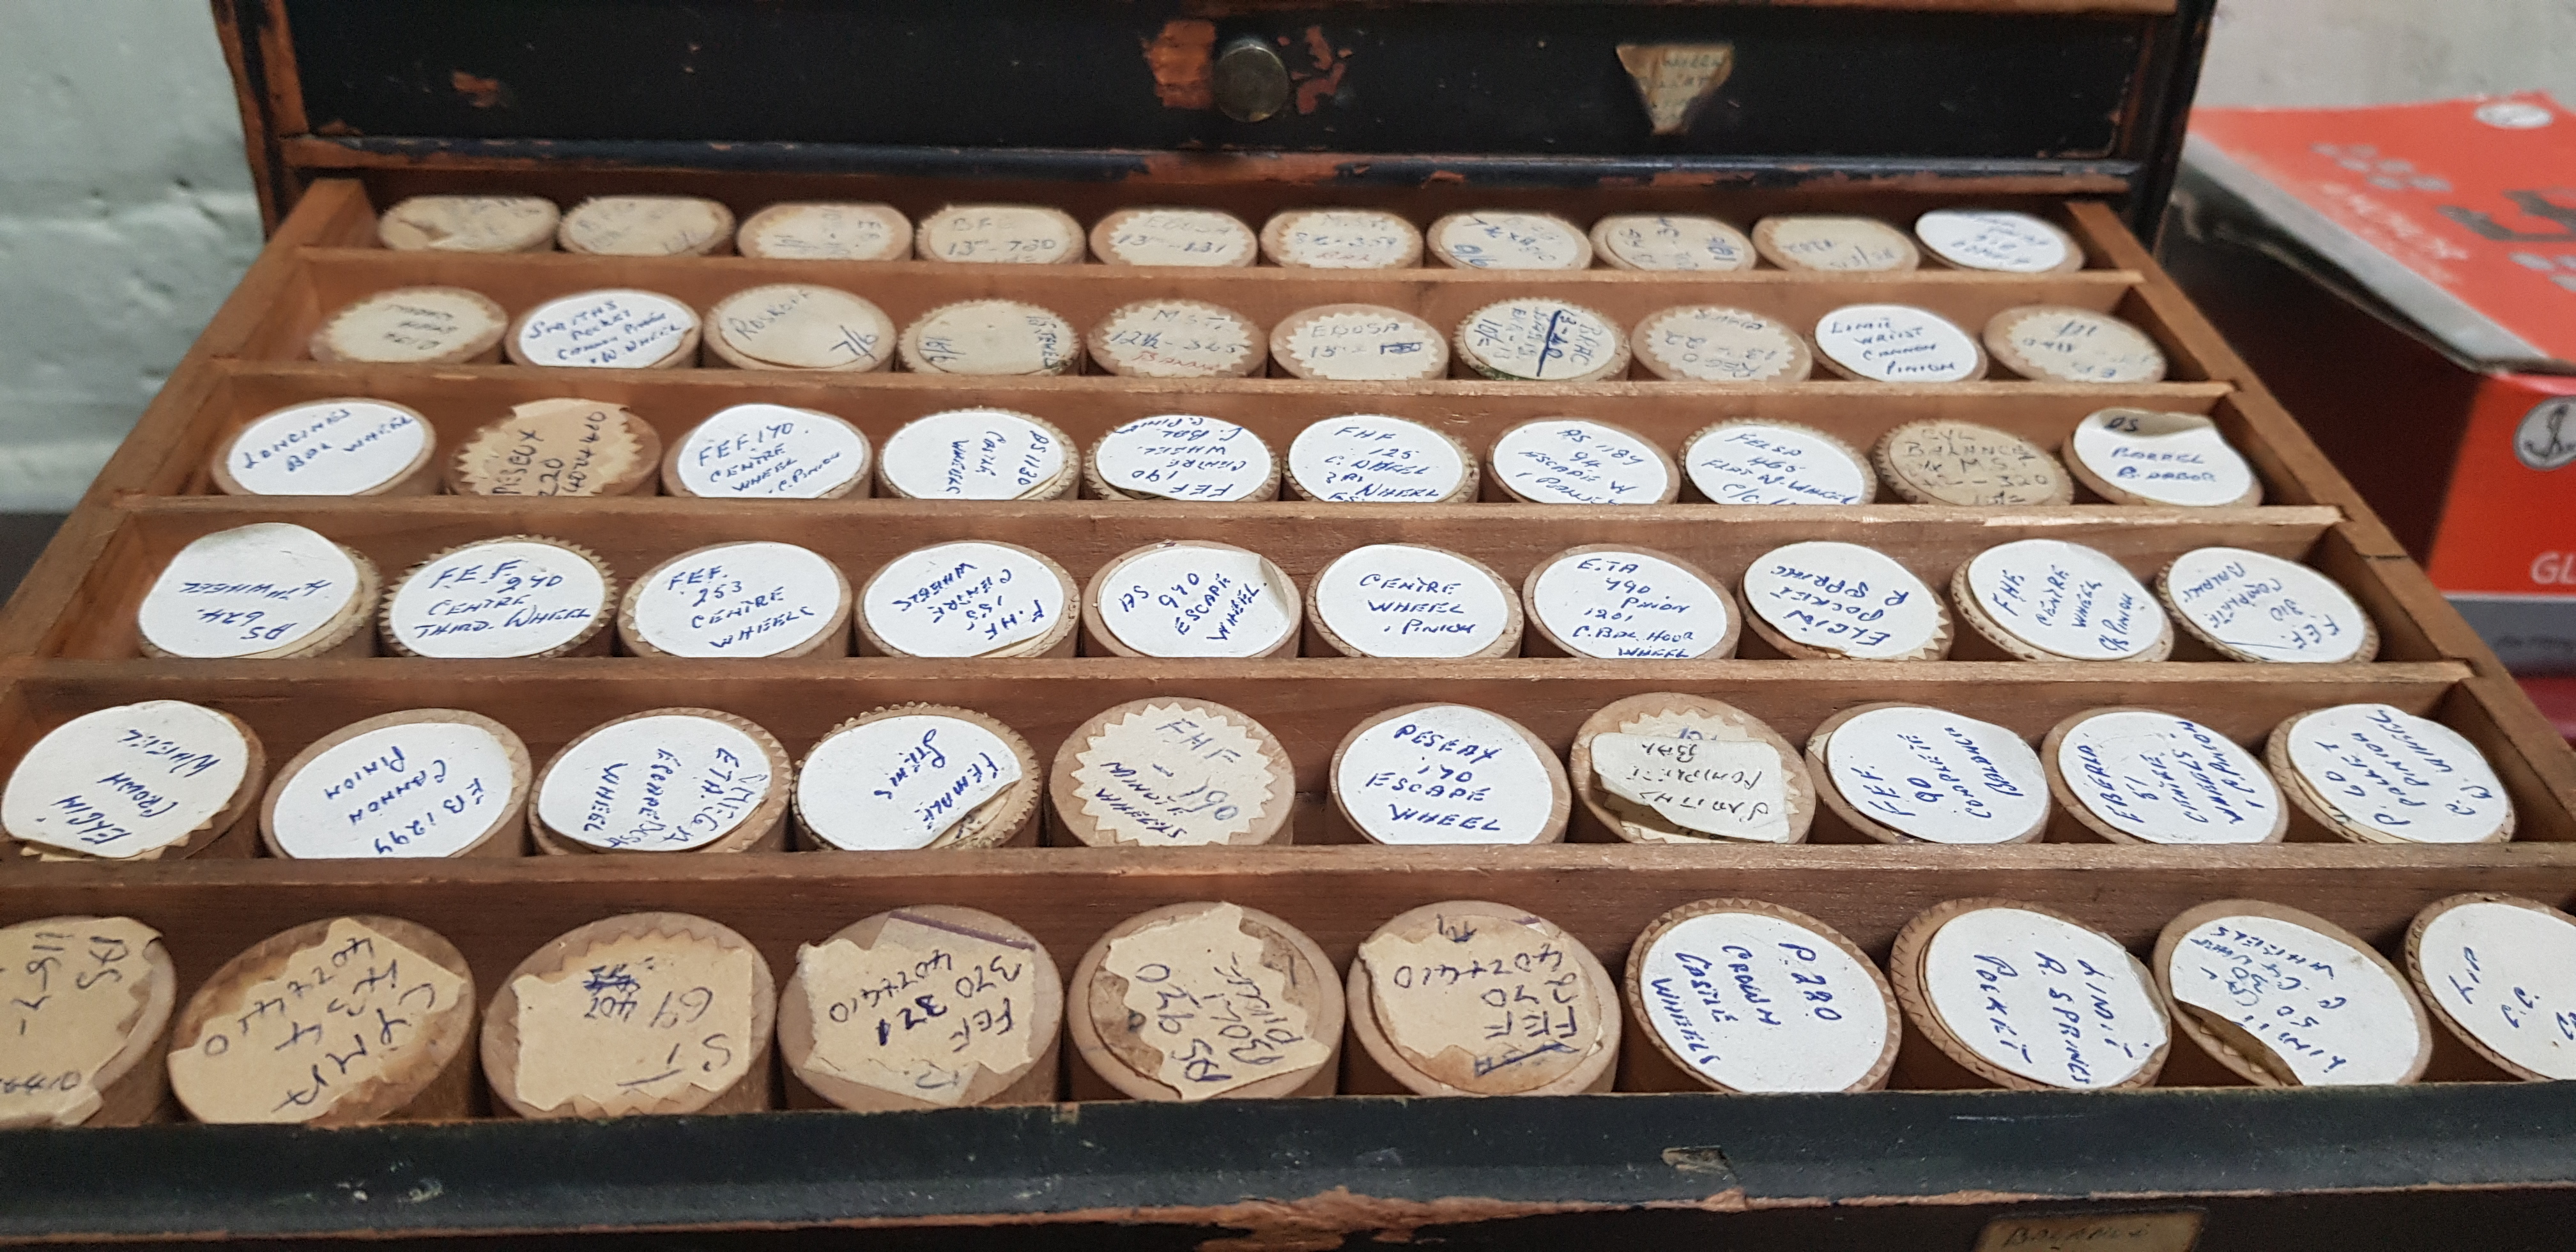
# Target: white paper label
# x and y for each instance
(2169, 458)
(1761, 1004)
(1396, 600)
(994, 337)
(2407, 778)
(666, 783)
(2034, 996)
(2503, 972)
(806, 328)
(1183, 456)
(2329, 1012)
(1754, 463)
(1712, 344)
(1366, 458)
(1347, 239)
(123, 781)
(1445, 774)
(770, 452)
(1366, 347)
(2075, 346)
(1181, 237)
(257, 588)
(1537, 339)
(1991, 239)
(2167, 779)
(1839, 244)
(1197, 601)
(1569, 461)
(1896, 343)
(973, 454)
(828, 232)
(2066, 599)
(1937, 776)
(606, 330)
(963, 599)
(1842, 597)
(1512, 241)
(1173, 775)
(1680, 242)
(1176, 339)
(1618, 605)
(2266, 607)
(511, 597)
(420, 789)
(741, 599)
(1732, 789)
(1000, 233)
(901, 782)
(336, 448)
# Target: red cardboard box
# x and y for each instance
(2424, 328)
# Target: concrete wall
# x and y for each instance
(125, 213)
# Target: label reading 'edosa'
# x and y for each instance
(418, 789)
(264, 587)
(1197, 600)
(635, 1021)
(2399, 775)
(1512, 241)
(1445, 774)
(924, 1011)
(510, 597)
(963, 599)
(2166, 779)
(1539, 339)
(666, 783)
(336, 448)
(606, 330)
(1367, 458)
(1990, 239)
(1216, 1016)
(1396, 600)
(1756, 463)
(1173, 775)
(1937, 776)
(2265, 607)
(124, 781)
(741, 599)
(1358, 346)
(1760, 1003)
(973, 454)
(1842, 597)
(2507, 975)
(1183, 456)
(901, 782)
(1622, 605)
(2324, 1008)
(770, 452)
(1727, 789)
(2065, 599)
(2052, 1002)
(1492, 1005)
(1896, 343)
(72, 992)
(1571, 461)
(2169, 458)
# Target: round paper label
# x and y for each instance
(2034, 996)
(2080, 347)
(1374, 459)
(1966, 464)
(770, 452)
(2065, 599)
(1757, 463)
(1674, 242)
(1346, 239)
(1842, 597)
(1445, 774)
(1896, 343)
(828, 232)
(411, 326)
(1992, 239)
(2507, 975)
(1175, 775)
(1000, 233)
(995, 337)
(901, 782)
(1619, 605)
(1760, 1004)
(1487, 1004)
(1365, 347)
(2328, 1011)
(1512, 241)
(1712, 344)
(606, 330)
(739, 599)
(510, 597)
(1937, 776)
(1538, 339)
(2167, 779)
(2169, 458)
(1182, 456)
(257, 588)
(2399, 775)
(963, 599)
(644, 225)
(2266, 607)
(1396, 600)
(805, 327)
(1176, 339)
(470, 223)
(1181, 237)
(1196, 600)
(123, 781)
(666, 783)
(420, 789)
(335, 448)
(973, 454)
(1570, 461)
(1838, 244)
(1719, 788)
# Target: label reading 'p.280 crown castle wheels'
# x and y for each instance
(1759, 1004)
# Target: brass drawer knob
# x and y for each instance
(1251, 80)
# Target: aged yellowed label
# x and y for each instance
(2117, 1232)
(553, 448)
(1487, 1004)
(1171, 775)
(1675, 80)
(1219, 1018)
(1730, 788)
(925, 1011)
(636, 1021)
(70, 990)
(336, 1016)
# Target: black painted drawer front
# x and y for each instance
(1465, 78)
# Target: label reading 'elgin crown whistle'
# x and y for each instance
(123, 781)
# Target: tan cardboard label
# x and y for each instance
(1485, 1004)
(1219, 1018)
(636, 1021)
(924, 1011)
(69, 994)
(338, 1015)
(1172, 775)
(553, 448)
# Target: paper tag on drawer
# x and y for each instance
(1486, 1004)
(2084, 1232)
